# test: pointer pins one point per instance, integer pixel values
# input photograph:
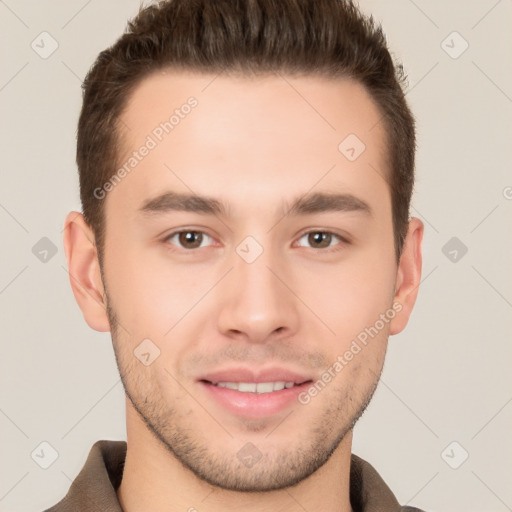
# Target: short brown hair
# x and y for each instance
(308, 37)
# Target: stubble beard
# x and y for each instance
(278, 468)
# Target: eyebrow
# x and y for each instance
(323, 202)
(170, 201)
(319, 202)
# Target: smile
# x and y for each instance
(255, 387)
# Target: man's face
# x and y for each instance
(253, 293)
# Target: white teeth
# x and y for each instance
(253, 387)
(247, 387)
(263, 387)
(279, 385)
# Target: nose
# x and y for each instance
(257, 303)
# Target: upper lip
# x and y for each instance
(248, 375)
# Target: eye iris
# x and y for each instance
(319, 239)
(190, 239)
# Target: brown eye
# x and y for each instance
(319, 239)
(188, 239)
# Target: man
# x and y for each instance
(246, 169)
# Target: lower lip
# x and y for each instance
(254, 405)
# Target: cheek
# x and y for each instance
(165, 304)
(351, 296)
(139, 302)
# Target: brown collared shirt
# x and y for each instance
(94, 489)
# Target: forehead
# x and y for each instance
(254, 136)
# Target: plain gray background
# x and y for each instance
(446, 389)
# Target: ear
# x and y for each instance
(84, 271)
(408, 276)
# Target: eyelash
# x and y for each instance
(342, 240)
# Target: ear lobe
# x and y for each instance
(408, 276)
(84, 271)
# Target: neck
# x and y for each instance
(153, 479)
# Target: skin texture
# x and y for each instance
(256, 145)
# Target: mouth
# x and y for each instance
(256, 387)
(254, 395)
